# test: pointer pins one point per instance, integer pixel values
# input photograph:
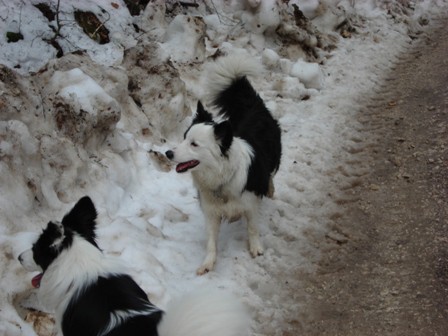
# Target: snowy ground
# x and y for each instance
(83, 125)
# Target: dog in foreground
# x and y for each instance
(232, 155)
(92, 296)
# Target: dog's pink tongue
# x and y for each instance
(184, 166)
(36, 280)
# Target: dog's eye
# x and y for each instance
(194, 144)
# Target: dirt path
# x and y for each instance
(390, 276)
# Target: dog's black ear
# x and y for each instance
(82, 219)
(223, 135)
(202, 115)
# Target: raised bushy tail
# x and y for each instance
(205, 313)
(225, 70)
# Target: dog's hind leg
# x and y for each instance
(213, 224)
(255, 246)
(271, 188)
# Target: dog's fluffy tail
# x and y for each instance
(222, 73)
(205, 313)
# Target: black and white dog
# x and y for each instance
(232, 156)
(92, 296)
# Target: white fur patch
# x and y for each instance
(206, 312)
(27, 261)
(57, 242)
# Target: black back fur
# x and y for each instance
(252, 121)
(89, 315)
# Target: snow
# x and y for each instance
(308, 73)
(138, 93)
(76, 85)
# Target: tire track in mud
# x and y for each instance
(384, 265)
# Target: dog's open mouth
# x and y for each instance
(36, 280)
(184, 166)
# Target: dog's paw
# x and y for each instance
(206, 267)
(256, 249)
(202, 270)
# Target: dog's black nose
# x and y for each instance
(20, 258)
(169, 154)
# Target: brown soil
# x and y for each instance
(389, 273)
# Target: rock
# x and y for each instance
(337, 237)
(43, 323)
(161, 162)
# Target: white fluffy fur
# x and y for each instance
(73, 270)
(221, 73)
(214, 170)
(208, 312)
(27, 261)
(220, 181)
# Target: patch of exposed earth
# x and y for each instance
(384, 268)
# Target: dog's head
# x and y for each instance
(204, 141)
(58, 236)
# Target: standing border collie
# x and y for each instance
(92, 296)
(233, 157)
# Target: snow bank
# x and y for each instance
(81, 105)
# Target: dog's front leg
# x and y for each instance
(213, 223)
